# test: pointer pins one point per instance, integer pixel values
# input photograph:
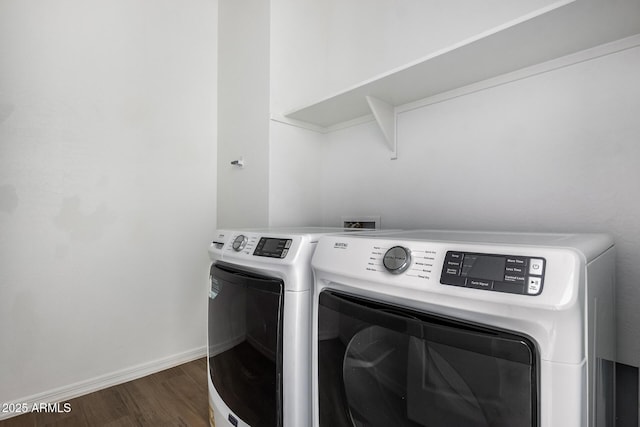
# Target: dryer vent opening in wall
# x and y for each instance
(365, 222)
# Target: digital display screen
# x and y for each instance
(270, 245)
(483, 267)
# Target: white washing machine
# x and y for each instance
(259, 344)
(442, 328)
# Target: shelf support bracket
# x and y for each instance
(385, 115)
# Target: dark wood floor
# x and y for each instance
(175, 397)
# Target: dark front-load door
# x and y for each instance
(383, 365)
(245, 343)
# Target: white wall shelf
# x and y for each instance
(563, 28)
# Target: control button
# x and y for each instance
(453, 264)
(512, 288)
(452, 280)
(534, 285)
(516, 261)
(284, 253)
(455, 256)
(536, 266)
(514, 278)
(452, 271)
(397, 259)
(480, 284)
(287, 245)
(511, 269)
(239, 243)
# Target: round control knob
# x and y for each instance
(397, 259)
(239, 243)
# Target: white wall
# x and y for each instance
(243, 119)
(294, 176)
(297, 61)
(298, 52)
(107, 189)
(553, 152)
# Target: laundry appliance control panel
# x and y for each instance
(248, 245)
(272, 247)
(491, 272)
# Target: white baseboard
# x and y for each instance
(65, 393)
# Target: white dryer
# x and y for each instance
(259, 320)
(442, 328)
